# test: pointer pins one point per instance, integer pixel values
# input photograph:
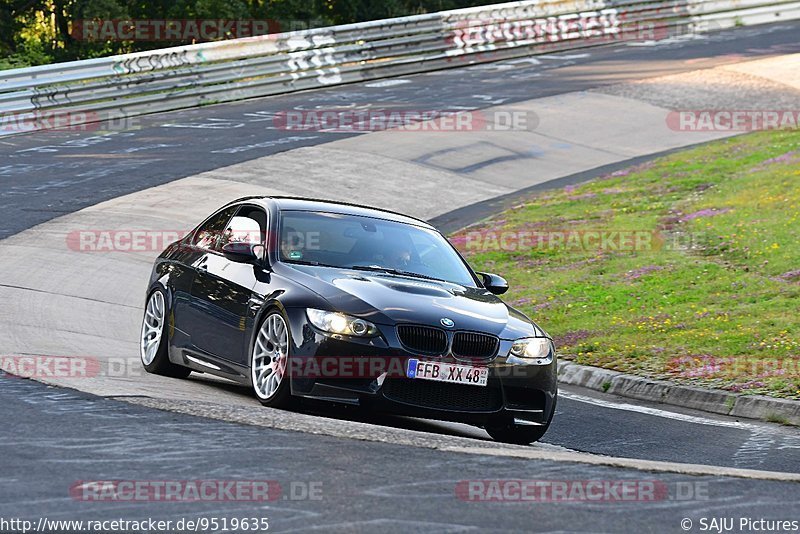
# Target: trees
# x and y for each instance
(21, 33)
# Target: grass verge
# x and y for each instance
(685, 268)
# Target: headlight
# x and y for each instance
(533, 348)
(339, 323)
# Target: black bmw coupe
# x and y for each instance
(308, 298)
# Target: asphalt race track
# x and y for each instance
(51, 174)
(364, 487)
(376, 472)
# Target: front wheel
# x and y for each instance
(505, 430)
(153, 345)
(510, 432)
(269, 362)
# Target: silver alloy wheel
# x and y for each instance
(270, 354)
(152, 327)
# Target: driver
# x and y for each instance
(291, 247)
(400, 258)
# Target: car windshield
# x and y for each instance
(369, 244)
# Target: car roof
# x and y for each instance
(289, 203)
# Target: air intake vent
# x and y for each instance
(443, 396)
(422, 339)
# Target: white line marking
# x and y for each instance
(656, 412)
(531, 60)
(387, 83)
(377, 433)
(755, 450)
(564, 56)
(533, 453)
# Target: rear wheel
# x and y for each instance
(269, 363)
(154, 342)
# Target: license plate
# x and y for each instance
(447, 372)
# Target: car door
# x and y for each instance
(191, 254)
(222, 289)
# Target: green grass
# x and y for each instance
(711, 295)
(779, 419)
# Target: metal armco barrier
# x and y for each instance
(188, 76)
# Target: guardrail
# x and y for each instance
(182, 77)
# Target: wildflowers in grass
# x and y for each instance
(713, 303)
(708, 212)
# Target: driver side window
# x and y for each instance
(249, 225)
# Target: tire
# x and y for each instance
(508, 432)
(269, 359)
(153, 343)
(505, 431)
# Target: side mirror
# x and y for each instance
(494, 283)
(243, 252)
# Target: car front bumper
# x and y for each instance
(372, 372)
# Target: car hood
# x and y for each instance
(389, 299)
